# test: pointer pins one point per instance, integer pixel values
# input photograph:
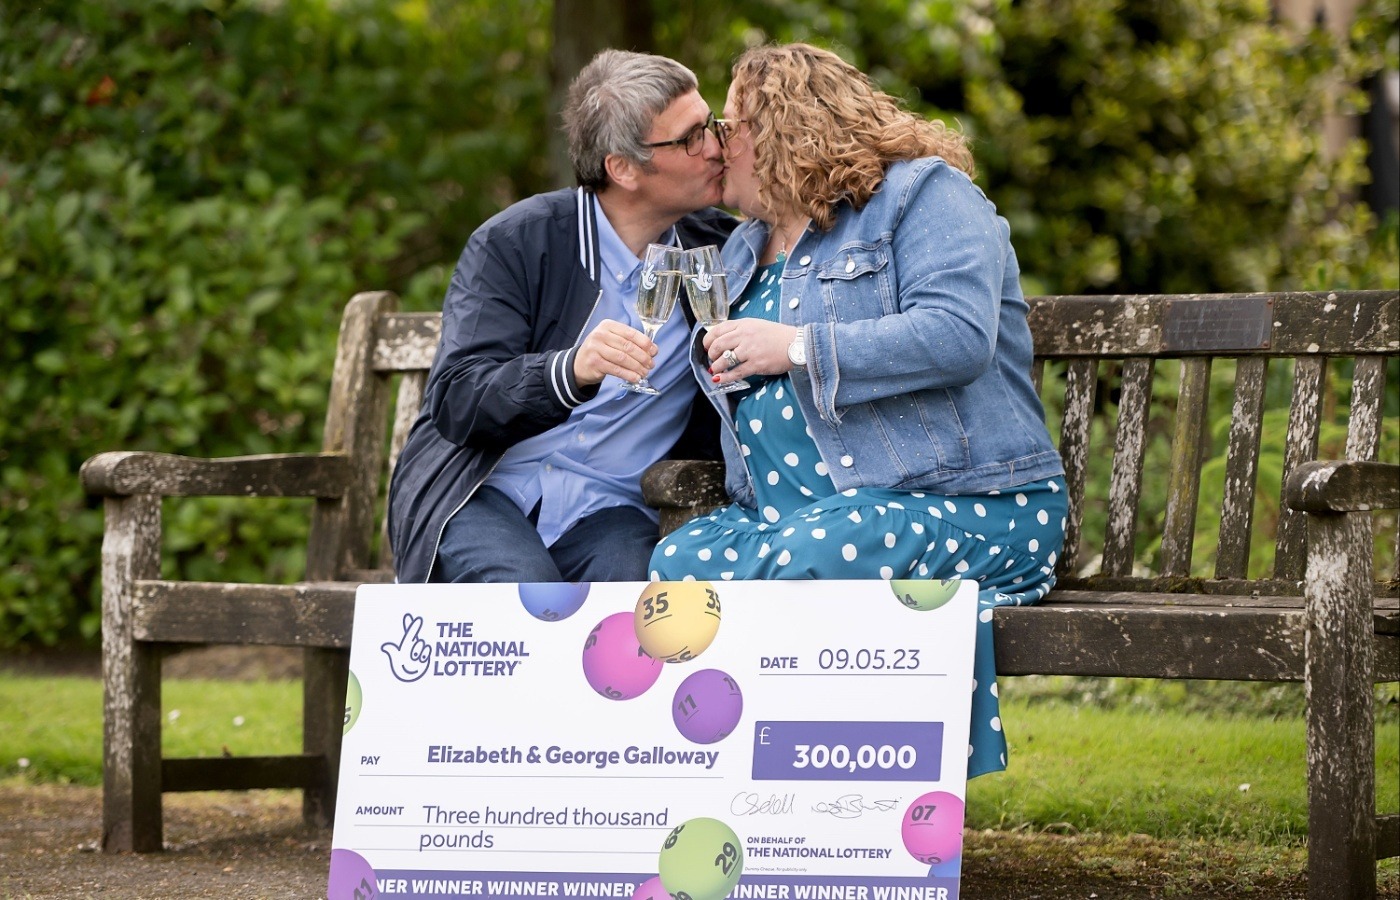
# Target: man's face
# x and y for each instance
(678, 183)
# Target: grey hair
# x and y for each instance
(611, 106)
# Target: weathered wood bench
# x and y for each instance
(1134, 373)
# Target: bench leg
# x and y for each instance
(325, 673)
(131, 787)
(1341, 718)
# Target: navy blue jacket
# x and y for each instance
(521, 294)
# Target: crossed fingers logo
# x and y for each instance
(409, 658)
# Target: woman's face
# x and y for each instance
(740, 186)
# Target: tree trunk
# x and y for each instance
(581, 28)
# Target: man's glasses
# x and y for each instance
(694, 139)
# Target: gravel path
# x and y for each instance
(252, 846)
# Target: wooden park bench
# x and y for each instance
(1128, 382)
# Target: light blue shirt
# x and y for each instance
(595, 459)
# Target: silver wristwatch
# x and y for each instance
(797, 350)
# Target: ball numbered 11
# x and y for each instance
(707, 706)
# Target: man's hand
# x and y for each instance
(613, 349)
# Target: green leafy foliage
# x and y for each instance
(189, 193)
(1135, 146)
(191, 189)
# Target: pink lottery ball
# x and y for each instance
(651, 889)
(614, 662)
(932, 827)
(707, 706)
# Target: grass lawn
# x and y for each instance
(1168, 760)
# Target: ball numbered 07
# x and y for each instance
(677, 620)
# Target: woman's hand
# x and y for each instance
(748, 347)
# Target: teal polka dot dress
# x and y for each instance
(1007, 541)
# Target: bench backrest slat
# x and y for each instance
(1081, 382)
(1099, 361)
(1192, 431)
(1242, 467)
(1367, 407)
(1304, 425)
(1129, 451)
(410, 398)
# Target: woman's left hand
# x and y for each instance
(748, 347)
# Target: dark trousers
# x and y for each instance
(491, 541)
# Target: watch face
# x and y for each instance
(797, 351)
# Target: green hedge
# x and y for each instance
(191, 189)
(189, 193)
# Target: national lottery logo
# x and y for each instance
(411, 656)
(648, 278)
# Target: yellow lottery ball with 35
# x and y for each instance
(677, 620)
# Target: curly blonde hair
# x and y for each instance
(822, 132)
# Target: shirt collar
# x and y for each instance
(619, 263)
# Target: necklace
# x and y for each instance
(782, 239)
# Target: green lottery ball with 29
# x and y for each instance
(702, 859)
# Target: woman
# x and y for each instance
(891, 430)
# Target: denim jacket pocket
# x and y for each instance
(856, 282)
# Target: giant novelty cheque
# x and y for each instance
(687, 740)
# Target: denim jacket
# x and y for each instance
(918, 349)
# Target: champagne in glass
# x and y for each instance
(656, 296)
(707, 286)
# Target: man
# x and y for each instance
(525, 461)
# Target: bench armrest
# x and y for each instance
(684, 483)
(1338, 487)
(125, 473)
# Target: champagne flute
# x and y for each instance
(656, 296)
(708, 288)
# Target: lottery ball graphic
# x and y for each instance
(702, 858)
(932, 828)
(949, 869)
(614, 663)
(707, 706)
(354, 702)
(925, 595)
(651, 889)
(553, 601)
(351, 876)
(677, 620)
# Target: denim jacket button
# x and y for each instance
(847, 461)
(850, 265)
(792, 304)
(804, 260)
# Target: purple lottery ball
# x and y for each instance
(614, 662)
(552, 601)
(707, 706)
(351, 876)
(651, 889)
